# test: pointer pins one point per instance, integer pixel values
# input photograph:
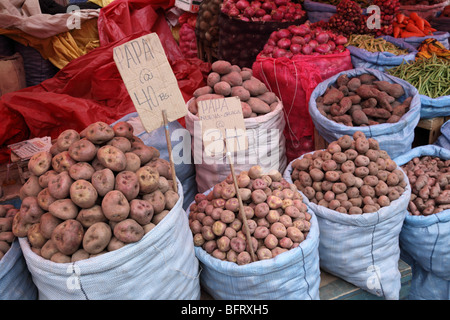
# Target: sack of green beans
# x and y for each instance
(379, 53)
(431, 78)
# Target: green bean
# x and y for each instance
(430, 76)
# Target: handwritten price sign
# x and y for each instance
(222, 125)
(149, 80)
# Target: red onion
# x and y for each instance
(332, 44)
(322, 48)
(313, 43)
(298, 40)
(260, 13)
(268, 6)
(281, 2)
(277, 15)
(256, 4)
(242, 4)
(341, 40)
(284, 33)
(284, 43)
(307, 49)
(307, 37)
(322, 37)
(278, 52)
(295, 48)
(249, 12)
(266, 17)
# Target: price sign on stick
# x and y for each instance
(223, 126)
(149, 80)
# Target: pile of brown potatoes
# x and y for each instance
(363, 101)
(7, 212)
(93, 192)
(276, 216)
(352, 175)
(430, 184)
(227, 80)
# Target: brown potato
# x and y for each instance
(115, 206)
(35, 236)
(62, 161)
(66, 138)
(81, 170)
(115, 244)
(44, 199)
(144, 152)
(112, 157)
(20, 226)
(44, 178)
(133, 161)
(83, 193)
(171, 199)
(103, 181)
(68, 236)
(79, 255)
(148, 178)
(63, 209)
(30, 188)
(30, 210)
(121, 143)
(128, 231)
(97, 237)
(99, 132)
(89, 216)
(48, 249)
(40, 163)
(48, 223)
(59, 185)
(157, 199)
(82, 150)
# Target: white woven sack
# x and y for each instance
(262, 148)
(362, 249)
(162, 265)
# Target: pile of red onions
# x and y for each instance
(303, 40)
(263, 10)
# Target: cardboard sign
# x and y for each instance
(149, 80)
(223, 124)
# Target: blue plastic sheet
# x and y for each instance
(424, 242)
(317, 11)
(362, 249)
(444, 139)
(395, 138)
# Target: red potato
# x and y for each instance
(148, 179)
(48, 223)
(112, 157)
(103, 181)
(123, 129)
(44, 199)
(81, 170)
(121, 143)
(68, 236)
(128, 183)
(66, 138)
(59, 185)
(89, 216)
(82, 150)
(99, 132)
(141, 210)
(97, 237)
(128, 231)
(63, 209)
(30, 188)
(62, 161)
(44, 178)
(83, 193)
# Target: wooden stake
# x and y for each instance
(241, 209)
(169, 148)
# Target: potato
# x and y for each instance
(148, 179)
(97, 237)
(115, 206)
(121, 143)
(59, 185)
(142, 211)
(30, 188)
(222, 88)
(40, 163)
(89, 216)
(64, 209)
(221, 67)
(68, 236)
(48, 223)
(20, 226)
(66, 138)
(62, 161)
(99, 132)
(112, 157)
(127, 182)
(133, 161)
(157, 199)
(79, 255)
(144, 152)
(44, 178)
(128, 231)
(123, 129)
(82, 150)
(59, 257)
(103, 181)
(35, 236)
(83, 194)
(171, 199)
(115, 244)
(81, 170)
(162, 166)
(44, 199)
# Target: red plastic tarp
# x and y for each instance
(90, 88)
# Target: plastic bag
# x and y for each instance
(444, 139)
(425, 11)
(266, 147)
(162, 265)
(15, 279)
(395, 138)
(293, 81)
(362, 249)
(318, 11)
(291, 275)
(181, 141)
(381, 60)
(424, 241)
